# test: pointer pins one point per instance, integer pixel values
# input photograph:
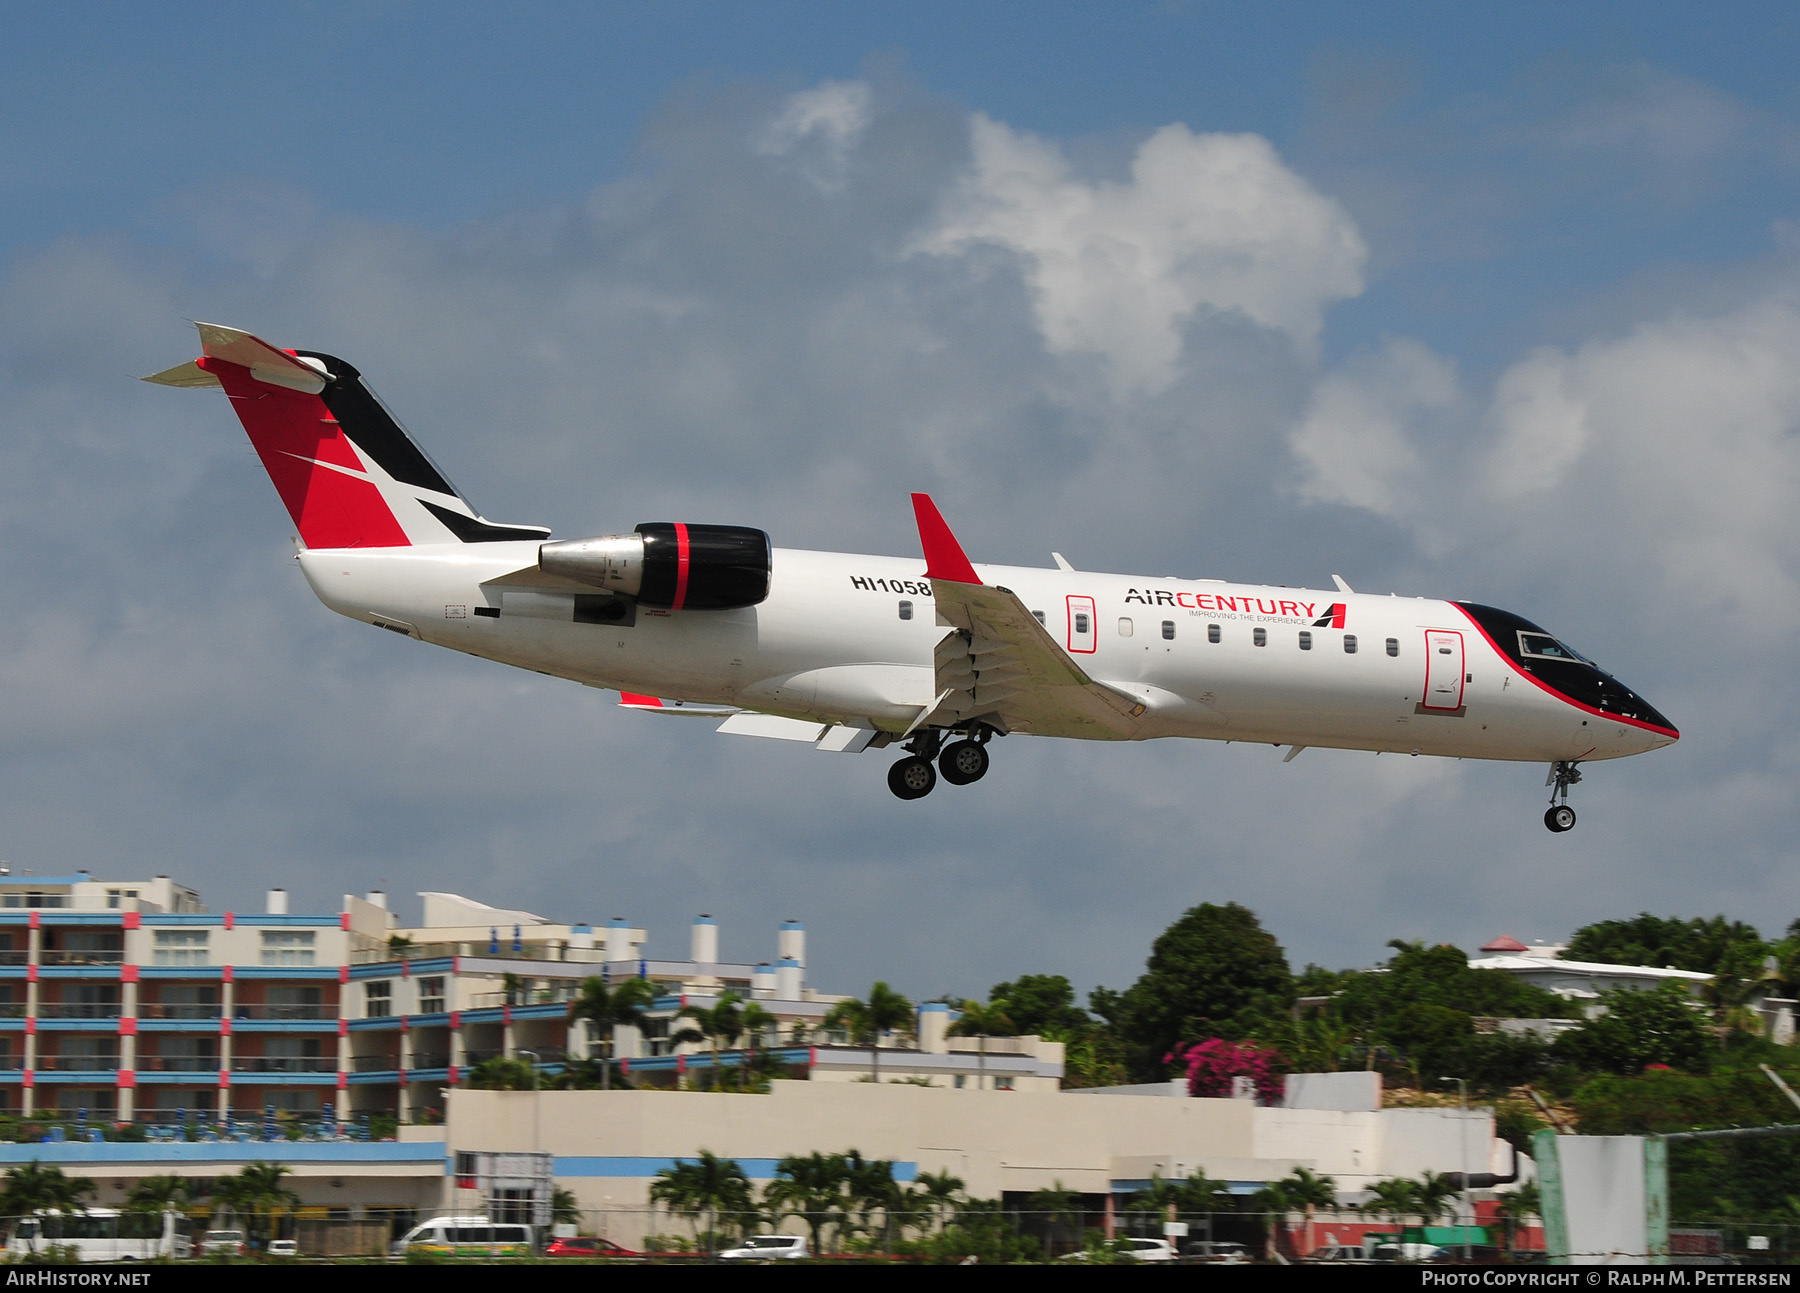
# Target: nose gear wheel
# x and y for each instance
(1559, 817)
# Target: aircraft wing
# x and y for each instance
(833, 739)
(1000, 666)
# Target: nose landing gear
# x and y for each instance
(1563, 774)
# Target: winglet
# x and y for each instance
(944, 557)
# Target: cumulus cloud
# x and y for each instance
(1207, 223)
(822, 124)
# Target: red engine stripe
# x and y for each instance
(681, 566)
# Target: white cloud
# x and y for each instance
(821, 125)
(1206, 223)
(1355, 445)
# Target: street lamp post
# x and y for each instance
(1462, 1143)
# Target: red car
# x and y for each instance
(587, 1246)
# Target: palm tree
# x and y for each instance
(710, 1185)
(1309, 1192)
(1436, 1196)
(866, 1021)
(756, 1023)
(1514, 1207)
(257, 1194)
(1396, 1198)
(982, 1022)
(163, 1194)
(870, 1187)
(810, 1187)
(1055, 1206)
(720, 1022)
(32, 1187)
(940, 1189)
(606, 1009)
(501, 1073)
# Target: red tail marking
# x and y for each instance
(1337, 614)
(944, 557)
(681, 566)
(642, 702)
(300, 444)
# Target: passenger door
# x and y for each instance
(1443, 669)
(1082, 631)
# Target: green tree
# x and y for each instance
(866, 1022)
(941, 1191)
(1516, 1207)
(565, 1209)
(1396, 1198)
(1040, 1004)
(1435, 1196)
(164, 1194)
(757, 1023)
(721, 1023)
(502, 1073)
(607, 1008)
(257, 1196)
(32, 1187)
(982, 1022)
(1702, 945)
(1058, 1211)
(1214, 973)
(711, 1186)
(1639, 1029)
(810, 1187)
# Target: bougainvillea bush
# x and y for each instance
(1213, 1063)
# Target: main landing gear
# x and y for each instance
(1563, 774)
(963, 762)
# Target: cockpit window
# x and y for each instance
(1545, 647)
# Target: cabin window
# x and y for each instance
(1212, 632)
(1349, 644)
(906, 610)
(1038, 616)
(1126, 628)
(1305, 640)
(1081, 623)
(1393, 645)
(1260, 637)
(1168, 630)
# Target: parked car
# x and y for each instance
(1141, 1250)
(768, 1248)
(227, 1243)
(587, 1246)
(284, 1248)
(1224, 1252)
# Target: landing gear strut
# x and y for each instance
(1563, 774)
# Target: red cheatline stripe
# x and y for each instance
(681, 566)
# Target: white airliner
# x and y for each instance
(852, 652)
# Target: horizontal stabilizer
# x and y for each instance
(189, 375)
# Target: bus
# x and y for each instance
(102, 1235)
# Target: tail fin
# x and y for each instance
(349, 474)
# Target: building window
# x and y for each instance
(1349, 644)
(179, 947)
(1212, 632)
(1126, 627)
(1260, 637)
(378, 999)
(431, 995)
(1305, 640)
(906, 610)
(1003, 1084)
(34, 900)
(1393, 645)
(287, 947)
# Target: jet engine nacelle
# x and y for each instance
(669, 564)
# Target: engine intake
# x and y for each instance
(669, 564)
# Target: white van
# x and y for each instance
(466, 1237)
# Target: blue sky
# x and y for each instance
(1517, 326)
